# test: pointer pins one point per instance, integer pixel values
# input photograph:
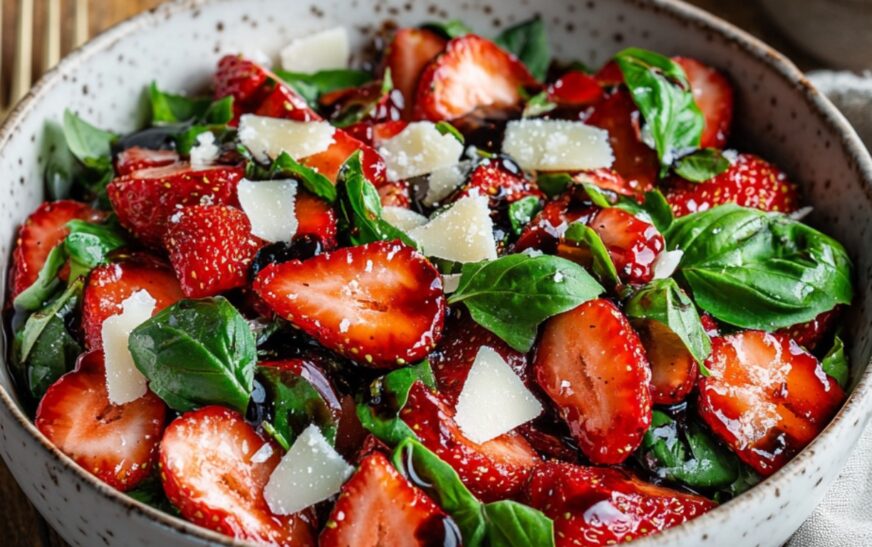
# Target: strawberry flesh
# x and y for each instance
(632, 243)
(135, 158)
(315, 218)
(674, 370)
(407, 56)
(344, 145)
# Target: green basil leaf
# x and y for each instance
(151, 492)
(379, 412)
(88, 245)
(835, 363)
(660, 89)
(521, 212)
(448, 29)
(663, 301)
(312, 85)
(196, 353)
(759, 270)
(537, 105)
(445, 128)
(512, 295)
(219, 112)
(658, 210)
(313, 181)
(528, 40)
(61, 167)
(602, 265)
(553, 184)
(654, 209)
(92, 146)
(701, 165)
(296, 404)
(171, 108)
(34, 297)
(270, 430)
(510, 524)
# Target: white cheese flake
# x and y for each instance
(325, 50)
(124, 382)
(419, 149)
(666, 263)
(462, 233)
(205, 151)
(402, 218)
(266, 138)
(270, 207)
(442, 182)
(450, 282)
(557, 145)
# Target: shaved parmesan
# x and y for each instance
(442, 182)
(494, 400)
(124, 382)
(666, 263)
(205, 151)
(325, 50)
(402, 218)
(450, 282)
(462, 233)
(557, 145)
(310, 472)
(419, 149)
(269, 206)
(266, 138)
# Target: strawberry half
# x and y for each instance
(633, 244)
(240, 78)
(380, 304)
(591, 364)
(492, 471)
(214, 467)
(811, 333)
(674, 371)
(283, 102)
(344, 145)
(749, 182)
(547, 227)
(378, 506)
(407, 56)
(145, 199)
(395, 194)
(767, 398)
(115, 443)
(40, 233)
(575, 88)
(472, 73)
(501, 181)
(607, 179)
(315, 218)
(111, 284)
(135, 158)
(595, 506)
(713, 95)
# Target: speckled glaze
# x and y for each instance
(778, 113)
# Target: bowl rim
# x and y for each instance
(676, 9)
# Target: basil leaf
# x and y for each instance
(537, 105)
(663, 301)
(151, 492)
(660, 89)
(313, 181)
(835, 363)
(602, 265)
(553, 184)
(521, 212)
(196, 353)
(510, 523)
(61, 168)
(658, 210)
(33, 297)
(448, 29)
(379, 413)
(219, 112)
(445, 128)
(88, 245)
(654, 209)
(701, 165)
(759, 270)
(312, 85)
(512, 295)
(88, 143)
(528, 40)
(170, 108)
(295, 404)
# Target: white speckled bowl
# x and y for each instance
(778, 112)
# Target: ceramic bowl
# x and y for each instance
(779, 114)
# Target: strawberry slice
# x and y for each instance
(575, 88)
(283, 102)
(375, 134)
(379, 304)
(472, 73)
(713, 95)
(40, 233)
(767, 398)
(115, 443)
(547, 227)
(315, 218)
(240, 78)
(111, 284)
(673, 369)
(608, 179)
(214, 467)
(595, 506)
(493, 470)
(749, 182)
(633, 244)
(501, 180)
(135, 158)
(378, 506)
(811, 333)
(395, 194)
(210, 248)
(145, 199)
(344, 145)
(591, 364)
(407, 56)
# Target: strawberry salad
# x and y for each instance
(462, 294)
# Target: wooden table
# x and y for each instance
(20, 524)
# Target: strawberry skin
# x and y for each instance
(594, 506)
(283, 102)
(407, 56)
(591, 364)
(238, 77)
(380, 304)
(378, 506)
(633, 244)
(471, 73)
(315, 218)
(344, 145)
(145, 199)
(111, 284)
(115, 443)
(575, 88)
(211, 475)
(674, 371)
(135, 158)
(811, 333)
(501, 181)
(713, 95)
(547, 227)
(767, 398)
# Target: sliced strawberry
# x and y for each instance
(214, 467)
(378, 506)
(472, 73)
(145, 199)
(607, 179)
(609, 75)
(749, 182)
(493, 470)
(111, 284)
(40, 233)
(591, 364)
(115, 443)
(633, 244)
(374, 134)
(344, 145)
(713, 95)
(239, 77)
(575, 88)
(315, 218)
(380, 304)
(210, 248)
(595, 506)
(395, 194)
(767, 398)
(710, 325)
(673, 369)
(811, 333)
(547, 227)
(369, 103)
(283, 102)
(407, 56)
(501, 180)
(136, 158)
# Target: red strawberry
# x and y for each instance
(750, 182)
(407, 56)
(472, 73)
(115, 443)
(368, 102)
(380, 304)
(493, 470)
(111, 284)
(607, 179)
(713, 95)
(575, 88)
(374, 134)
(344, 145)
(136, 158)
(210, 248)
(591, 364)
(378, 506)
(315, 217)
(609, 75)
(633, 244)
(673, 369)
(283, 102)
(40, 233)
(766, 397)
(211, 475)
(547, 227)
(240, 78)
(810, 333)
(145, 199)
(501, 180)
(594, 506)
(395, 194)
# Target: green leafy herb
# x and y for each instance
(151, 492)
(553, 184)
(312, 85)
(512, 295)
(521, 212)
(835, 363)
(379, 412)
(168, 108)
(33, 297)
(528, 40)
(759, 270)
(61, 167)
(92, 146)
(654, 208)
(601, 262)
(88, 245)
(448, 29)
(195, 353)
(312, 180)
(658, 210)
(537, 105)
(445, 128)
(701, 165)
(296, 404)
